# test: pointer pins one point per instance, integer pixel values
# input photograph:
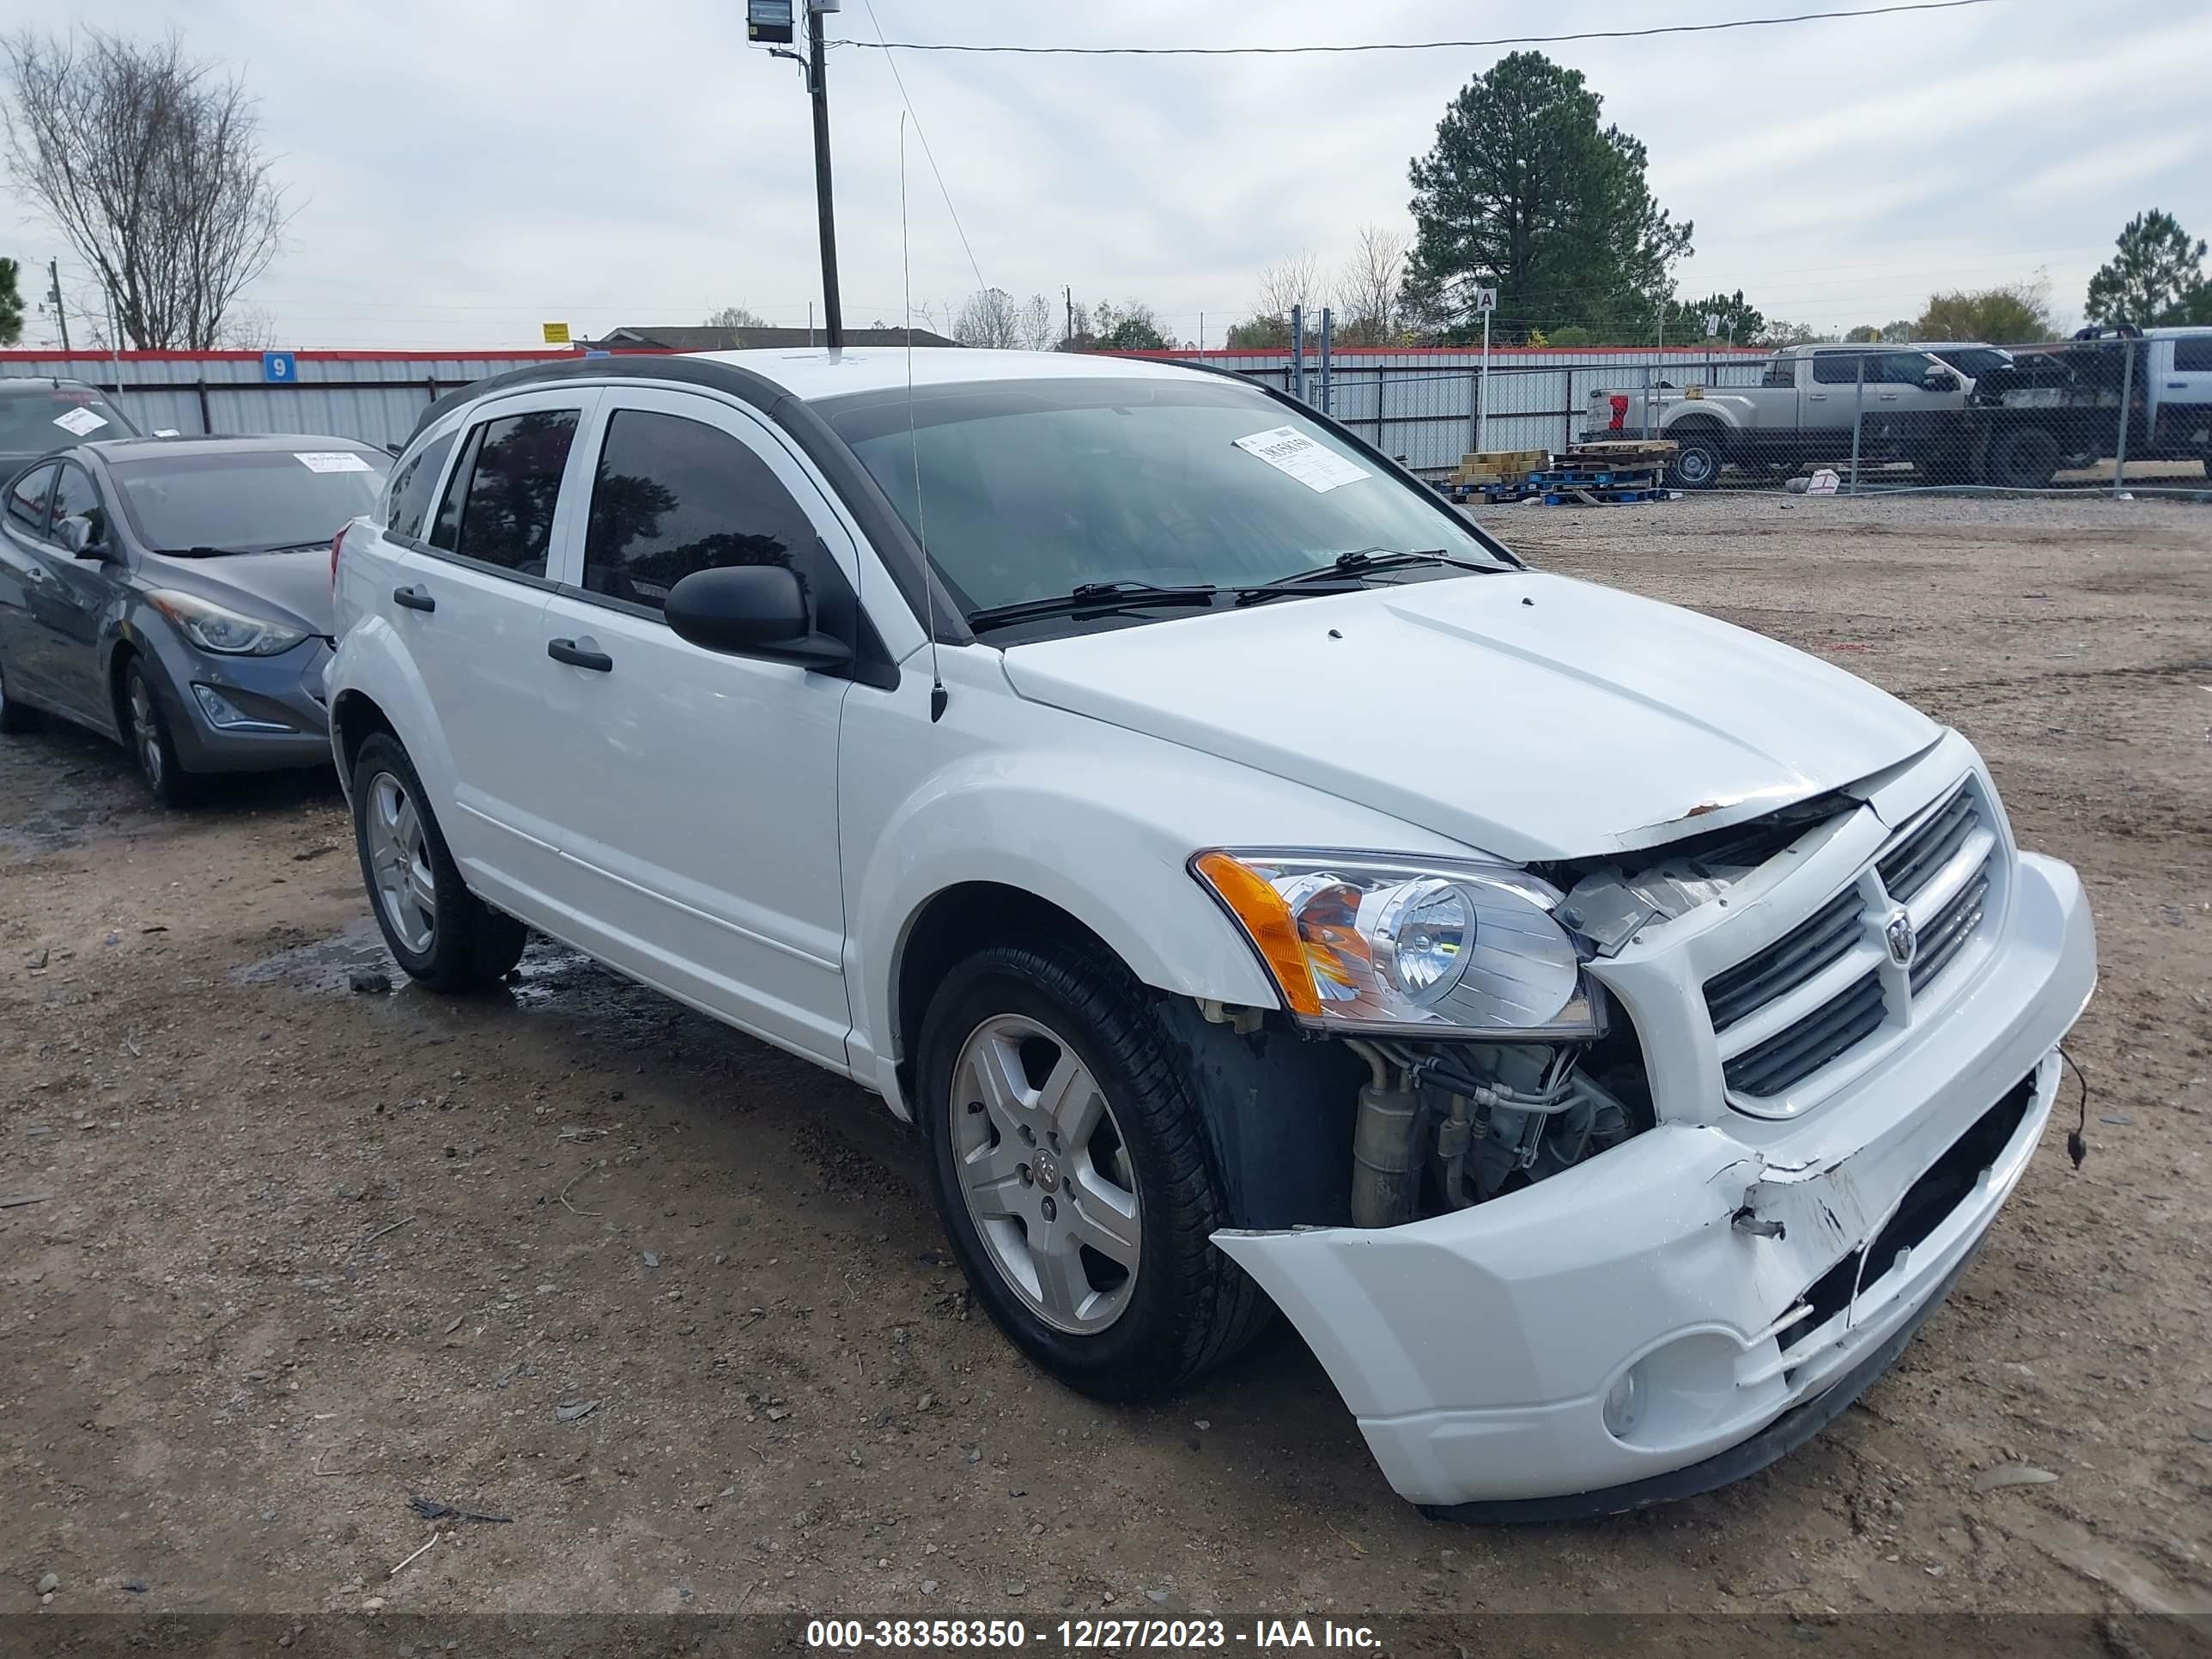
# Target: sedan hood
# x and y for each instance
(1529, 716)
(293, 587)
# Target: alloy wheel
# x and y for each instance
(1046, 1174)
(146, 731)
(399, 857)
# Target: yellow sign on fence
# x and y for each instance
(557, 334)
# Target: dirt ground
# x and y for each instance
(302, 1252)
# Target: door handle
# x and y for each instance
(566, 651)
(1816, 396)
(1887, 396)
(413, 598)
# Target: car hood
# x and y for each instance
(1527, 715)
(293, 587)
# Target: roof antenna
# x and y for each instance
(938, 697)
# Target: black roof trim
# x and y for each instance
(870, 508)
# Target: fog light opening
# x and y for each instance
(221, 711)
(1623, 1402)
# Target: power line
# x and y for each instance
(881, 45)
(892, 63)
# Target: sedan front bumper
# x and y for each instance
(272, 715)
(1751, 1283)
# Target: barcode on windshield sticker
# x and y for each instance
(1288, 450)
(80, 421)
(330, 460)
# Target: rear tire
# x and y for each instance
(2024, 458)
(1697, 461)
(438, 931)
(147, 732)
(1074, 1173)
(15, 717)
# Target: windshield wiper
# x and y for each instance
(202, 551)
(1089, 596)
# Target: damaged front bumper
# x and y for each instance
(1683, 1309)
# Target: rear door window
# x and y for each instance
(26, 501)
(410, 500)
(2192, 354)
(1837, 367)
(502, 515)
(674, 495)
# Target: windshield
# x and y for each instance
(1972, 362)
(1031, 489)
(56, 417)
(247, 501)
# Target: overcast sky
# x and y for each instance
(464, 172)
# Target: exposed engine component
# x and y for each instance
(1442, 1126)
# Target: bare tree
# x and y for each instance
(990, 317)
(736, 317)
(1039, 324)
(150, 164)
(1295, 282)
(1367, 287)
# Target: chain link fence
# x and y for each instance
(2124, 414)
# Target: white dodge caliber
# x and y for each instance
(1604, 1033)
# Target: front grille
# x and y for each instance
(1788, 963)
(1931, 870)
(1946, 935)
(1907, 866)
(1791, 1056)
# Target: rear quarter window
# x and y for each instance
(407, 504)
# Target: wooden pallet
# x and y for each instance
(1592, 477)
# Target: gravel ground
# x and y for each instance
(677, 1303)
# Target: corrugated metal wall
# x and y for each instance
(372, 396)
(1420, 404)
(1425, 405)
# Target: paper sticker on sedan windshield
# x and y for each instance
(330, 460)
(80, 421)
(1288, 450)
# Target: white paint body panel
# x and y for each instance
(758, 842)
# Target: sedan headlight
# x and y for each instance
(213, 628)
(1358, 944)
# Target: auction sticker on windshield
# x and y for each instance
(80, 421)
(330, 460)
(1288, 450)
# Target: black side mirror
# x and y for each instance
(751, 610)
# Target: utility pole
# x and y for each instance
(833, 312)
(1068, 295)
(61, 316)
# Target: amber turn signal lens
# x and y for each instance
(1267, 920)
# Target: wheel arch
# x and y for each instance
(1277, 1103)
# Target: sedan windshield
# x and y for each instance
(1030, 489)
(247, 501)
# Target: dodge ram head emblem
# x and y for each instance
(1903, 943)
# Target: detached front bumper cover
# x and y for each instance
(1477, 1349)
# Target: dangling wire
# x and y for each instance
(938, 697)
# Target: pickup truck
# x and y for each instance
(1909, 407)
(2058, 406)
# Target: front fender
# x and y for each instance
(1097, 819)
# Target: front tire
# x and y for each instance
(438, 931)
(1075, 1174)
(151, 744)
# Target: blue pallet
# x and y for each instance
(1637, 478)
(1603, 497)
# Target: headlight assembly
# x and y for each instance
(1361, 944)
(213, 628)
